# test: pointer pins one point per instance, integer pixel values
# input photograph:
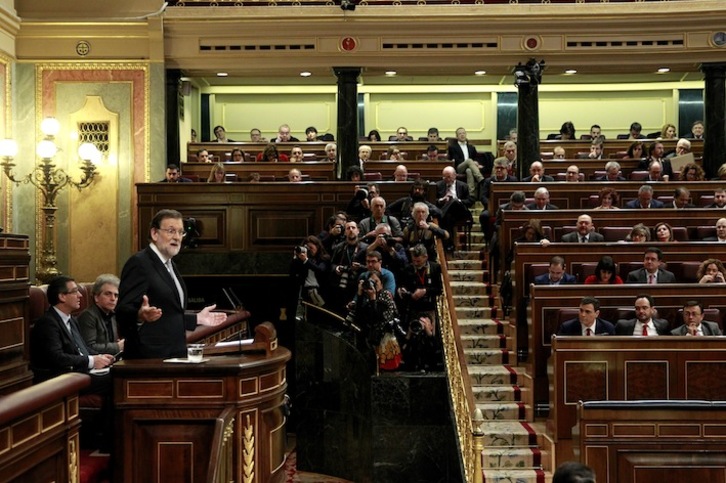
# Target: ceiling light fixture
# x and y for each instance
(222, 74)
(480, 72)
(305, 74)
(664, 70)
(570, 72)
(390, 73)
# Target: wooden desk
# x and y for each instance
(184, 422)
(629, 369)
(547, 300)
(317, 171)
(610, 146)
(428, 170)
(647, 442)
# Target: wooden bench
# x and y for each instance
(315, 171)
(428, 170)
(610, 147)
(547, 302)
(629, 369)
(653, 441)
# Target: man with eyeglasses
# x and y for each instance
(98, 321)
(153, 296)
(694, 325)
(402, 134)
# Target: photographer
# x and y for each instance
(334, 232)
(402, 208)
(393, 255)
(360, 206)
(420, 285)
(420, 231)
(367, 226)
(377, 316)
(422, 349)
(309, 269)
(346, 263)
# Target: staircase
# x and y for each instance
(516, 448)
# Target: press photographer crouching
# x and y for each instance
(421, 347)
(376, 315)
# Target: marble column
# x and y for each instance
(527, 127)
(714, 105)
(347, 136)
(171, 87)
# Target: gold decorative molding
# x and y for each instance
(248, 452)
(73, 460)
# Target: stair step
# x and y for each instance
(468, 275)
(471, 301)
(465, 264)
(493, 375)
(502, 411)
(469, 288)
(508, 434)
(511, 458)
(486, 356)
(484, 341)
(466, 255)
(519, 476)
(490, 393)
(476, 321)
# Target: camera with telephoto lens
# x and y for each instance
(369, 284)
(416, 326)
(361, 194)
(301, 249)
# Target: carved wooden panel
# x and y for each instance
(657, 467)
(586, 381)
(705, 380)
(646, 380)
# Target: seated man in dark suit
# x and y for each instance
(681, 199)
(454, 200)
(588, 321)
(556, 274)
(612, 172)
(645, 199)
(173, 175)
(651, 273)
(695, 325)
(720, 232)
(537, 173)
(644, 324)
(719, 199)
(542, 200)
(585, 232)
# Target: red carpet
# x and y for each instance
(94, 467)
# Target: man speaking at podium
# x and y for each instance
(153, 296)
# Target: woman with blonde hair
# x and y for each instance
(668, 131)
(217, 174)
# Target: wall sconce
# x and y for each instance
(49, 180)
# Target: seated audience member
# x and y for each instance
(374, 263)
(608, 199)
(419, 231)
(651, 273)
(655, 172)
(530, 232)
(459, 149)
(256, 136)
(98, 322)
(663, 232)
(585, 232)
(720, 232)
(394, 154)
(253, 178)
(721, 173)
(542, 200)
(668, 131)
(655, 153)
(393, 254)
(719, 199)
(432, 135)
(558, 153)
(331, 152)
(193, 135)
(596, 132)
(364, 154)
(639, 234)
(402, 135)
(711, 271)
(556, 274)
(294, 176)
(636, 150)
(421, 347)
(402, 208)
(612, 172)
(221, 135)
(606, 273)
(681, 199)
(359, 206)
(573, 472)
(644, 324)
(374, 136)
(309, 271)
(354, 173)
(453, 199)
(56, 345)
(334, 232)
(645, 199)
(203, 156)
(296, 155)
(694, 324)
(432, 153)
(421, 285)
(635, 129)
(346, 263)
(595, 149)
(572, 175)
(509, 153)
(466, 166)
(512, 136)
(692, 172)
(173, 175)
(537, 174)
(217, 174)
(567, 131)
(683, 146)
(588, 321)
(237, 156)
(697, 130)
(284, 136)
(400, 174)
(272, 155)
(501, 175)
(516, 202)
(367, 226)
(311, 134)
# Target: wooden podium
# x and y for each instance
(219, 420)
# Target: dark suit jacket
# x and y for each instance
(665, 163)
(181, 180)
(545, 178)
(544, 279)
(52, 350)
(96, 333)
(640, 276)
(709, 328)
(636, 204)
(462, 192)
(626, 327)
(573, 327)
(605, 178)
(711, 239)
(145, 274)
(488, 185)
(549, 206)
(574, 237)
(457, 155)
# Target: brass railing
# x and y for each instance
(462, 398)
